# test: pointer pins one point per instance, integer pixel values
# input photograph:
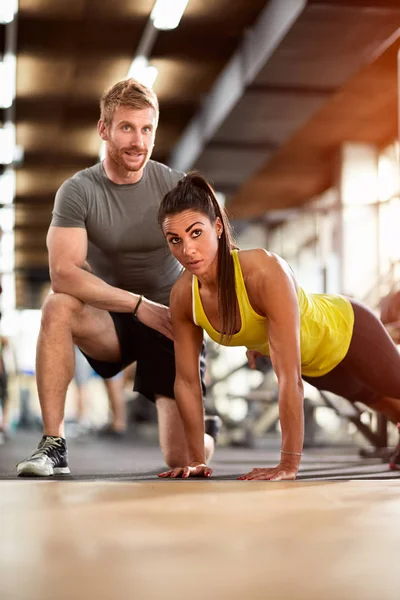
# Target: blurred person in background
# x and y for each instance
(390, 314)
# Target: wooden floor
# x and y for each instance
(69, 540)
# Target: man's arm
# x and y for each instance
(69, 274)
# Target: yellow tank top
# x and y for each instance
(326, 325)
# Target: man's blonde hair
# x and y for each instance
(128, 92)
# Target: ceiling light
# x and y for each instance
(7, 144)
(7, 80)
(7, 186)
(7, 218)
(142, 71)
(167, 14)
(8, 10)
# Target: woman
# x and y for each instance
(251, 298)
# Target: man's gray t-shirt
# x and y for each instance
(126, 246)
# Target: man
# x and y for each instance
(111, 274)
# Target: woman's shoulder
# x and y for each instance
(259, 267)
(257, 259)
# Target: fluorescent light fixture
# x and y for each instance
(142, 71)
(8, 10)
(7, 252)
(7, 80)
(7, 186)
(7, 144)
(7, 301)
(7, 218)
(167, 14)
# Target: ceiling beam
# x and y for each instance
(256, 48)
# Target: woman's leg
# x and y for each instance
(373, 358)
(370, 372)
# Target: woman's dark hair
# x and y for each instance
(194, 193)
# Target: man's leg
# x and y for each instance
(65, 321)
(115, 391)
(172, 435)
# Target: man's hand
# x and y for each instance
(279, 473)
(157, 316)
(193, 470)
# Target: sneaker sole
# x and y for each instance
(34, 471)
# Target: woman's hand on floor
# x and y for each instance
(279, 473)
(193, 470)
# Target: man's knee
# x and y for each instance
(60, 308)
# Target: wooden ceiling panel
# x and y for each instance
(43, 109)
(92, 77)
(73, 9)
(183, 80)
(31, 258)
(40, 76)
(41, 181)
(363, 111)
(66, 79)
(232, 16)
(56, 138)
(115, 9)
(227, 168)
(30, 238)
(77, 9)
(36, 216)
(84, 38)
(260, 117)
(305, 57)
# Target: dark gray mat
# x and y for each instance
(138, 459)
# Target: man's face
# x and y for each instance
(130, 137)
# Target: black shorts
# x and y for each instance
(153, 352)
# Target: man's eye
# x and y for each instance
(126, 127)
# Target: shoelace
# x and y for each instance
(46, 446)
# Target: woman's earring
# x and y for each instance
(219, 237)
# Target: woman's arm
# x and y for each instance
(188, 339)
(272, 292)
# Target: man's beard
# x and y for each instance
(117, 155)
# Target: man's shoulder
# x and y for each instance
(163, 173)
(88, 175)
(82, 179)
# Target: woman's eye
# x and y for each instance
(196, 232)
(174, 240)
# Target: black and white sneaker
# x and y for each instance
(49, 459)
(212, 425)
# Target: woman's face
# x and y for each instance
(193, 239)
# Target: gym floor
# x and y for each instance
(112, 529)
